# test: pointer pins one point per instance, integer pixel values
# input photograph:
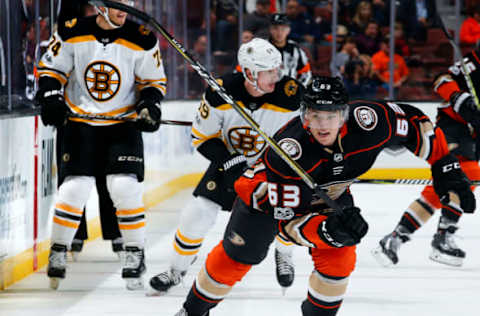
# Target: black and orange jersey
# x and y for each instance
(102, 71)
(215, 119)
(372, 126)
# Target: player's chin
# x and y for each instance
(270, 88)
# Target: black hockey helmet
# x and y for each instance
(325, 94)
(279, 19)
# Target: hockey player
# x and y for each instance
(334, 142)
(294, 60)
(222, 136)
(106, 65)
(459, 118)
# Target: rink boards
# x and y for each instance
(28, 176)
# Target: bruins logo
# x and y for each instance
(102, 80)
(246, 141)
(143, 30)
(290, 88)
(71, 23)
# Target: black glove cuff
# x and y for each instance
(326, 237)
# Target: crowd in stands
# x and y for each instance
(362, 57)
(362, 40)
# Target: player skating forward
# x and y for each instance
(459, 118)
(106, 66)
(222, 136)
(334, 151)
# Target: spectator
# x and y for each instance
(381, 66)
(368, 42)
(199, 52)
(470, 29)
(259, 21)
(347, 53)
(247, 36)
(226, 28)
(322, 22)
(401, 45)
(301, 25)
(378, 9)
(358, 78)
(363, 14)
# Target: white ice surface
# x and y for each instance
(416, 286)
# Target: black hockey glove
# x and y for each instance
(464, 105)
(232, 168)
(149, 115)
(53, 107)
(452, 185)
(346, 228)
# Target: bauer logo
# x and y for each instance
(102, 80)
(291, 147)
(366, 117)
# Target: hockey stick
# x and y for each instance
(210, 80)
(124, 119)
(465, 71)
(402, 181)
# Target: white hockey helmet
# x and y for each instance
(258, 55)
(104, 12)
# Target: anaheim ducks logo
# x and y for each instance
(246, 141)
(103, 80)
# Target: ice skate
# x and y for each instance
(57, 263)
(387, 252)
(444, 248)
(134, 268)
(285, 270)
(164, 281)
(76, 248)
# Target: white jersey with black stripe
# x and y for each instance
(216, 118)
(103, 71)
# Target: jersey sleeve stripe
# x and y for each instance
(52, 74)
(160, 87)
(128, 44)
(43, 67)
(305, 68)
(81, 39)
(140, 80)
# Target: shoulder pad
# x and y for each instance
(231, 84)
(288, 93)
(139, 35)
(76, 27)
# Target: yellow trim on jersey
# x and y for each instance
(81, 39)
(160, 87)
(118, 111)
(127, 44)
(130, 212)
(48, 73)
(265, 106)
(202, 137)
(150, 80)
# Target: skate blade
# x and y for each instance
(381, 258)
(120, 255)
(154, 293)
(54, 283)
(134, 284)
(439, 257)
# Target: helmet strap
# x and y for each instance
(253, 82)
(105, 16)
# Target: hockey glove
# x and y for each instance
(149, 115)
(346, 228)
(53, 107)
(463, 104)
(232, 168)
(452, 185)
